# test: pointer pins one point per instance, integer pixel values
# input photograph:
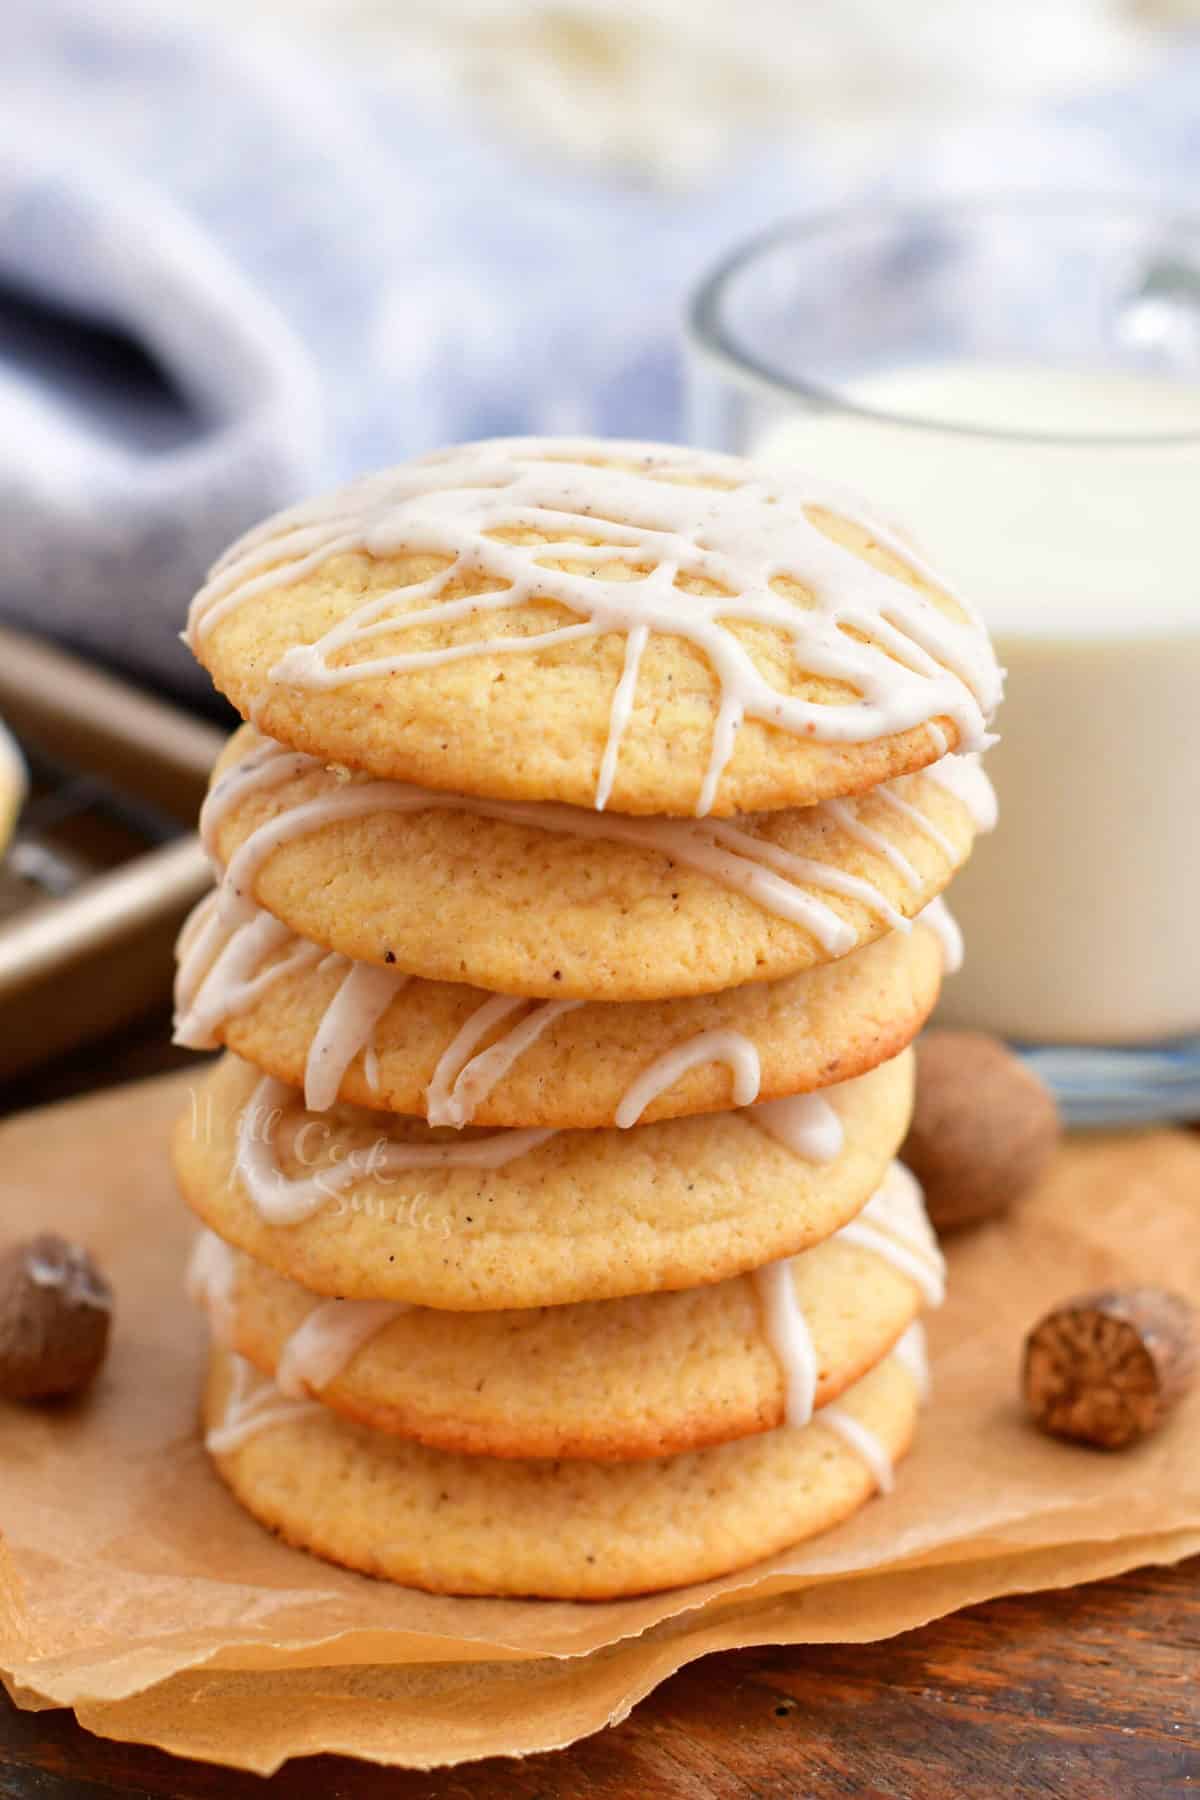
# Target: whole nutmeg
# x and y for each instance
(55, 1313)
(1106, 1368)
(983, 1129)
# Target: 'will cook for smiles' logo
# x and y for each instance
(348, 1177)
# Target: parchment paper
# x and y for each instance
(134, 1589)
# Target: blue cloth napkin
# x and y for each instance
(230, 275)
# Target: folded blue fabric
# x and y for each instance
(229, 275)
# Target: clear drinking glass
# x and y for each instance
(1018, 381)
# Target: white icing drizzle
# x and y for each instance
(462, 1080)
(887, 793)
(806, 1124)
(221, 967)
(444, 1103)
(210, 1281)
(907, 662)
(944, 925)
(729, 1047)
(283, 1200)
(911, 1351)
(962, 776)
(267, 765)
(363, 996)
(328, 1340)
(966, 778)
(320, 1347)
(894, 1225)
(222, 973)
(254, 1404)
(619, 716)
(226, 939)
(861, 1439)
(873, 840)
(807, 869)
(790, 1339)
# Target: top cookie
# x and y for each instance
(653, 629)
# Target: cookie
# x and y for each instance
(646, 1376)
(455, 1055)
(654, 629)
(379, 1207)
(557, 903)
(567, 1530)
(14, 784)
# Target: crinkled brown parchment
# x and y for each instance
(133, 1589)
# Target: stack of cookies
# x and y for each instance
(579, 897)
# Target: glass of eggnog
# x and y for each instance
(1018, 381)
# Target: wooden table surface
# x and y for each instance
(1092, 1694)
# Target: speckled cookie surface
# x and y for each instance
(578, 1216)
(824, 1025)
(540, 910)
(515, 698)
(650, 1375)
(559, 1529)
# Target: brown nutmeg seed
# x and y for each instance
(55, 1313)
(984, 1127)
(1106, 1368)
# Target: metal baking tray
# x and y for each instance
(104, 863)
